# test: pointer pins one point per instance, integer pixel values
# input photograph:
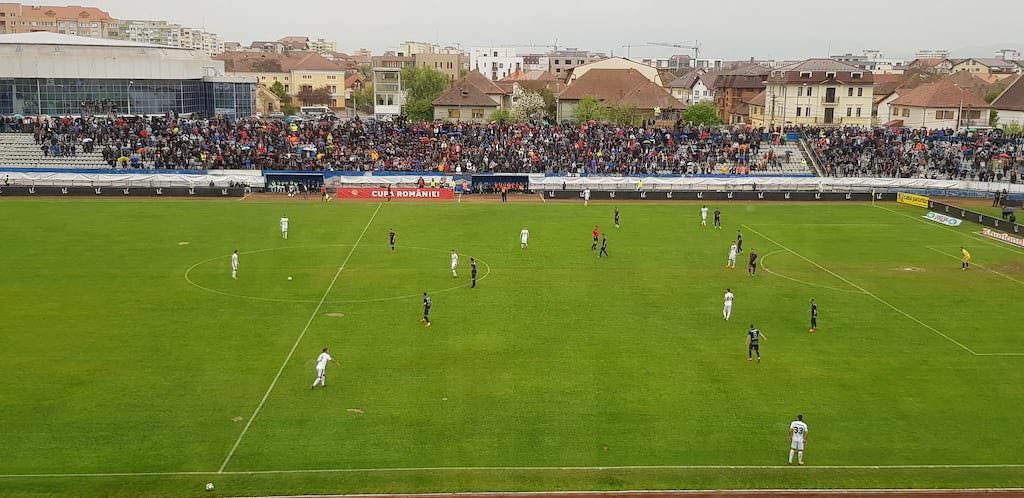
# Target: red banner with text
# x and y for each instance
(397, 194)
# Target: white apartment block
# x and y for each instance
(169, 34)
(495, 62)
(323, 47)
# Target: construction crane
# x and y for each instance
(695, 47)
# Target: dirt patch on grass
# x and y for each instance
(1013, 267)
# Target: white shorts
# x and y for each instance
(454, 265)
(798, 445)
(732, 260)
(728, 308)
(320, 372)
(523, 240)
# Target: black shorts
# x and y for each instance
(753, 347)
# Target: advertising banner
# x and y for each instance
(941, 218)
(702, 195)
(397, 194)
(911, 199)
(1003, 237)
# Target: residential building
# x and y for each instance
(932, 54)
(871, 60)
(708, 64)
(64, 75)
(1008, 54)
(362, 56)
(938, 66)
(495, 62)
(70, 20)
(939, 105)
(267, 102)
(295, 42)
(733, 89)
(562, 62)
(756, 106)
(819, 92)
(449, 64)
(536, 62)
(516, 84)
(986, 66)
(472, 99)
(323, 47)
(620, 87)
(296, 71)
(1010, 104)
(270, 47)
(393, 60)
(648, 72)
(691, 88)
(388, 94)
(416, 48)
(169, 34)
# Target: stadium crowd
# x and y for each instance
(328, 144)
(915, 153)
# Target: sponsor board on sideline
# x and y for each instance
(398, 194)
(1004, 237)
(911, 199)
(945, 220)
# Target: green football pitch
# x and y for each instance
(133, 364)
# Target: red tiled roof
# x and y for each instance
(465, 93)
(942, 94)
(252, 62)
(1012, 99)
(621, 87)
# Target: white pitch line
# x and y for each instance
(514, 469)
(1001, 274)
(316, 311)
(970, 235)
(883, 301)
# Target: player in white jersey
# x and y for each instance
(704, 216)
(732, 256)
(586, 197)
(455, 263)
(234, 265)
(321, 368)
(798, 436)
(727, 309)
(524, 238)
(284, 227)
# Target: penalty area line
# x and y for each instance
(316, 312)
(865, 291)
(954, 256)
(514, 469)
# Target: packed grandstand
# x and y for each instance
(328, 144)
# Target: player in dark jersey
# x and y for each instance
(718, 219)
(472, 266)
(752, 266)
(754, 337)
(814, 316)
(616, 217)
(739, 242)
(596, 233)
(426, 310)
(604, 247)
(391, 238)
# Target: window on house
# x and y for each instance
(800, 91)
(972, 114)
(809, 92)
(860, 91)
(478, 114)
(849, 92)
(454, 113)
(857, 76)
(830, 75)
(805, 74)
(906, 112)
(798, 112)
(849, 112)
(943, 114)
(807, 111)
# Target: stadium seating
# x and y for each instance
(19, 150)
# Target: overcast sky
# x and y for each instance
(782, 29)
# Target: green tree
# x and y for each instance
(286, 100)
(625, 115)
(316, 96)
(422, 85)
(993, 119)
(501, 116)
(590, 109)
(703, 113)
(362, 99)
(366, 71)
(550, 102)
(993, 95)
(1013, 129)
